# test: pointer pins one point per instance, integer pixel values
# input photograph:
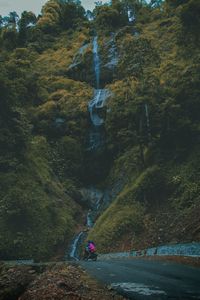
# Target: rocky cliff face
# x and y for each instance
(82, 67)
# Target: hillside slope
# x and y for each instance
(153, 130)
(44, 122)
(148, 162)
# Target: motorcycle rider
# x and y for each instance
(90, 250)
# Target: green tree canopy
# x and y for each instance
(28, 19)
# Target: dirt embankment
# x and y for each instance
(55, 282)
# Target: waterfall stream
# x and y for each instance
(96, 140)
(74, 247)
(96, 61)
(89, 220)
(97, 104)
(96, 198)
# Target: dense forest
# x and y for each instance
(149, 161)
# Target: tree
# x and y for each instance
(57, 15)
(27, 19)
(9, 38)
(50, 19)
(133, 5)
(72, 14)
(14, 126)
(175, 3)
(122, 10)
(13, 18)
(5, 21)
(98, 3)
(132, 63)
(190, 16)
(89, 15)
(1, 21)
(109, 17)
(137, 9)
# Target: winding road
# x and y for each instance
(147, 279)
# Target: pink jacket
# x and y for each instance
(91, 247)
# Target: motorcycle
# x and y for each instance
(90, 255)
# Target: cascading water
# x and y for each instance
(74, 247)
(96, 140)
(97, 104)
(89, 219)
(96, 61)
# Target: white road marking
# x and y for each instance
(138, 288)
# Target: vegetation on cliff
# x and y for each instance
(151, 154)
(153, 132)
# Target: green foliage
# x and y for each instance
(27, 19)
(184, 182)
(123, 217)
(175, 3)
(35, 215)
(9, 38)
(144, 55)
(59, 115)
(58, 14)
(35, 212)
(110, 17)
(190, 16)
(156, 70)
(15, 127)
(151, 126)
(68, 158)
(123, 166)
(49, 22)
(73, 14)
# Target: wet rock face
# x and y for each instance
(94, 196)
(97, 106)
(82, 68)
(14, 281)
(109, 60)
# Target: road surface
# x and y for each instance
(147, 279)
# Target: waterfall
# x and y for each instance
(96, 140)
(74, 247)
(96, 61)
(89, 220)
(96, 105)
(100, 95)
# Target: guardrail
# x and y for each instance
(186, 249)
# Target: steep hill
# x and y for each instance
(148, 157)
(153, 130)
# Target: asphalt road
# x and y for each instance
(147, 279)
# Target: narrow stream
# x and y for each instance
(96, 60)
(96, 140)
(74, 247)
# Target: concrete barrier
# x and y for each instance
(185, 249)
